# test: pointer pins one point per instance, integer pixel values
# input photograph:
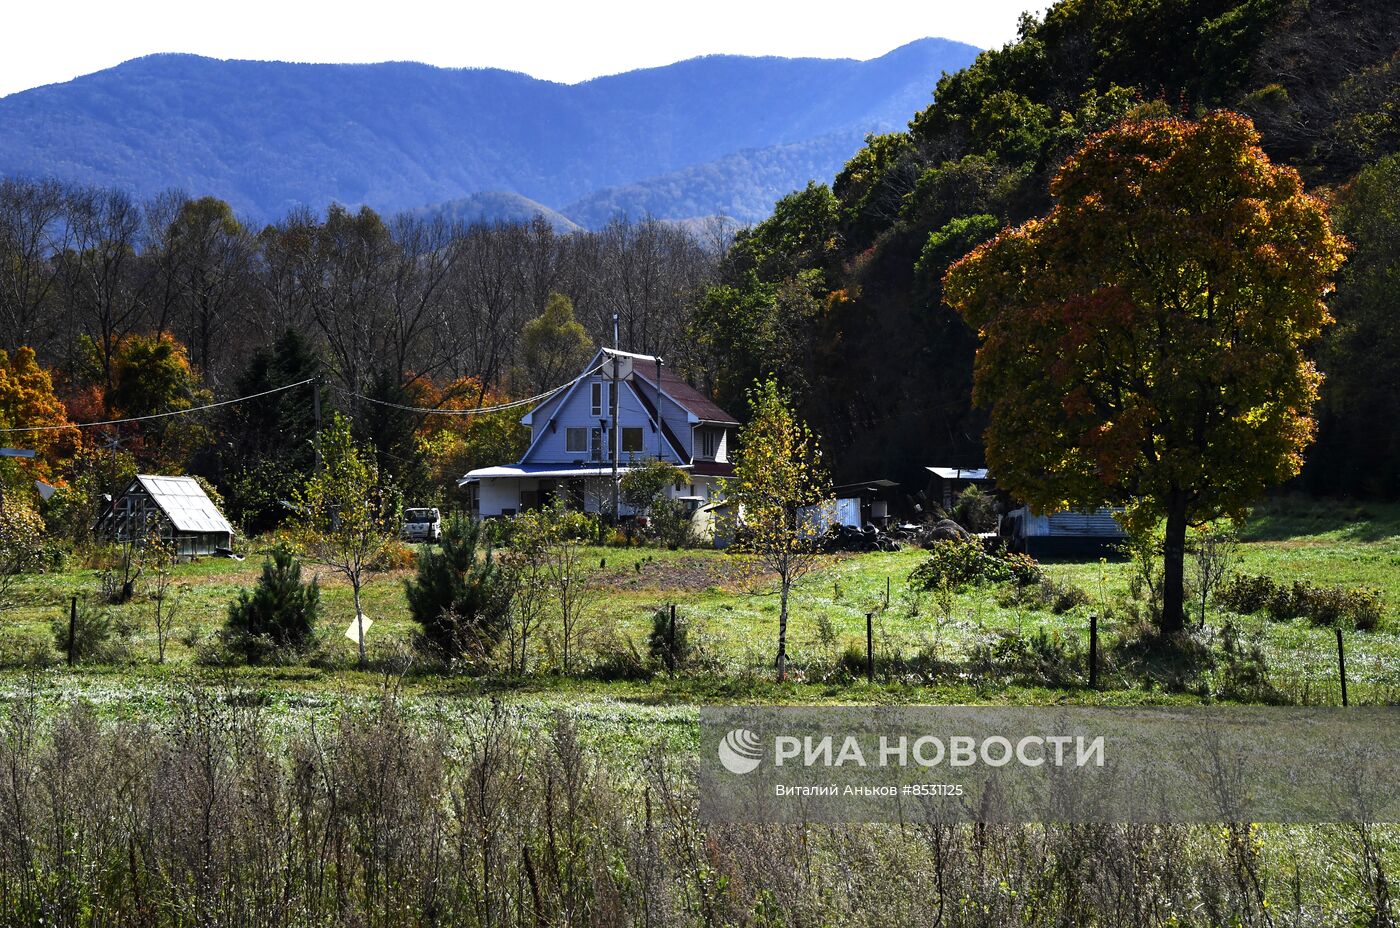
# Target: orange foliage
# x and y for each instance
(27, 400)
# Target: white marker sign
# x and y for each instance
(353, 632)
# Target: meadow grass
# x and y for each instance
(732, 615)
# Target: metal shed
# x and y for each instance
(1070, 533)
(175, 509)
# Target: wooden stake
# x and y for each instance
(1342, 665)
(870, 647)
(72, 631)
(1093, 652)
(671, 647)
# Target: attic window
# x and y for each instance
(632, 440)
(600, 397)
(576, 441)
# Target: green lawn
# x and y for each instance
(733, 620)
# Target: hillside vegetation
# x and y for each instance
(839, 292)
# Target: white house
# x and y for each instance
(573, 444)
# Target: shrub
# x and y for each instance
(279, 614)
(668, 647)
(1244, 672)
(1322, 605)
(975, 510)
(960, 562)
(1049, 595)
(395, 555)
(461, 596)
(1246, 594)
(1025, 570)
(96, 635)
(1040, 658)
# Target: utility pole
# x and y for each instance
(660, 422)
(316, 414)
(616, 442)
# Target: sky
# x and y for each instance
(48, 42)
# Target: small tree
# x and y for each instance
(164, 602)
(279, 613)
(778, 473)
(550, 543)
(1213, 555)
(644, 490)
(346, 517)
(461, 597)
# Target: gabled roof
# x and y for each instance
(704, 408)
(184, 503)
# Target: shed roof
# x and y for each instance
(960, 473)
(184, 503)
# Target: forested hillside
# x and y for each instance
(270, 136)
(839, 291)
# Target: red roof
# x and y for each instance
(683, 393)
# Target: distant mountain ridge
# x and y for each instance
(719, 134)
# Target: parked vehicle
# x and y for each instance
(421, 525)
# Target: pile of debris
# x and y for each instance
(871, 538)
(847, 538)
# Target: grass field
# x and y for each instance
(733, 622)
(139, 764)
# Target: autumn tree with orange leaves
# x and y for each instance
(27, 401)
(1142, 345)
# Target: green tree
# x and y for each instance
(549, 545)
(553, 345)
(280, 613)
(643, 489)
(347, 519)
(778, 472)
(461, 596)
(1362, 354)
(267, 444)
(1143, 344)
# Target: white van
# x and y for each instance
(421, 525)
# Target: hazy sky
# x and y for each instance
(45, 41)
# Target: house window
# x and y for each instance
(597, 444)
(709, 443)
(600, 397)
(632, 440)
(576, 441)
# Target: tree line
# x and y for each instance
(135, 307)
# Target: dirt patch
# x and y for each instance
(687, 574)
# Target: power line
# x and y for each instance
(158, 415)
(481, 410)
(500, 407)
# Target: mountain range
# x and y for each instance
(718, 135)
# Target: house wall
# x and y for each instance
(576, 411)
(500, 495)
(722, 447)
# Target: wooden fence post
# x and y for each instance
(671, 656)
(870, 647)
(72, 631)
(1342, 665)
(1093, 651)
